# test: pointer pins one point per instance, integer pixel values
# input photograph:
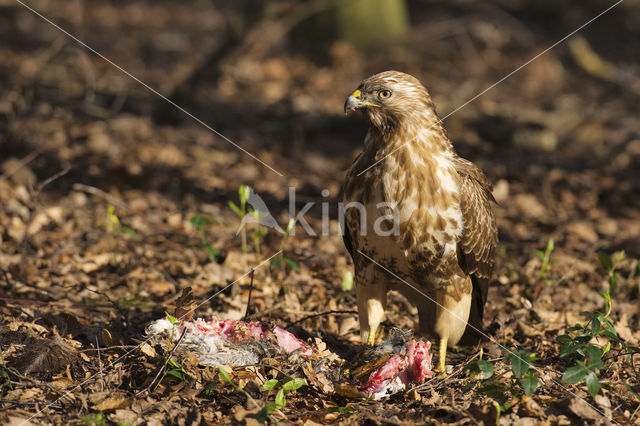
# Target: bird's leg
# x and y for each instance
(442, 356)
(372, 301)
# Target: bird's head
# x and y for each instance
(389, 98)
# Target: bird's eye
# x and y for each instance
(384, 94)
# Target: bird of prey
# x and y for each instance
(445, 229)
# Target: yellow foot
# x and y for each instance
(442, 368)
(371, 340)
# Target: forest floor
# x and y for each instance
(113, 202)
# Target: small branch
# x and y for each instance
(100, 193)
(248, 311)
(334, 312)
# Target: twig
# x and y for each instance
(246, 314)
(100, 364)
(164, 366)
(109, 348)
(38, 383)
(16, 402)
(336, 312)
(100, 193)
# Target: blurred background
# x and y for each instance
(101, 178)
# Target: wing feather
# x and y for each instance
(479, 238)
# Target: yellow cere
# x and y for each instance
(356, 94)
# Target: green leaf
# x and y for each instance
(291, 264)
(263, 415)
(630, 388)
(605, 260)
(486, 368)
(236, 209)
(342, 410)
(211, 251)
(564, 339)
(243, 192)
(529, 384)
(176, 373)
(294, 384)
(466, 388)
(601, 271)
(595, 357)
(575, 374)
(198, 220)
(271, 407)
(224, 375)
(270, 384)
(550, 246)
(595, 326)
(347, 281)
(613, 284)
(519, 363)
(172, 319)
(280, 399)
(583, 338)
(540, 254)
(275, 262)
(593, 385)
(493, 390)
(111, 215)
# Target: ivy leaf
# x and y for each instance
(519, 363)
(575, 374)
(593, 385)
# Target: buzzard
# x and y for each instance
(442, 234)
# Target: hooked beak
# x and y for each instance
(355, 101)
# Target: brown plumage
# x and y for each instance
(439, 234)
